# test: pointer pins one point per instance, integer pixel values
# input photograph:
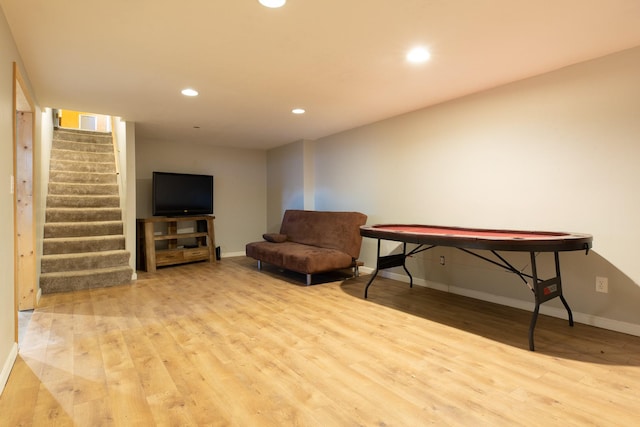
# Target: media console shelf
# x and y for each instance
(152, 253)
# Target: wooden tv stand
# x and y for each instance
(150, 257)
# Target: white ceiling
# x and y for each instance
(341, 60)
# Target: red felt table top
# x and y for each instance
(479, 238)
(470, 232)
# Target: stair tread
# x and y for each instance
(84, 223)
(94, 174)
(87, 272)
(69, 163)
(66, 138)
(83, 183)
(80, 151)
(86, 254)
(91, 209)
(82, 195)
(78, 161)
(81, 238)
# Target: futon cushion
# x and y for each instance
(332, 230)
(298, 257)
(312, 259)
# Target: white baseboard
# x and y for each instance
(232, 254)
(561, 313)
(38, 296)
(8, 365)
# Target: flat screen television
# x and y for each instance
(181, 194)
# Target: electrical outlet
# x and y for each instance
(441, 259)
(602, 285)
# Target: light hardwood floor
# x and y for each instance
(225, 345)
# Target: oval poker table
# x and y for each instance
(472, 240)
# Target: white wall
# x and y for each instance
(285, 182)
(240, 188)
(557, 152)
(125, 142)
(42, 157)
(8, 55)
(309, 175)
(290, 180)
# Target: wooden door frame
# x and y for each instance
(24, 130)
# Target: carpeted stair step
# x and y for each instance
(75, 166)
(82, 215)
(84, 261)
(82, 136)
(60, 201)
(88, 279)
(84, 244)
(82, 189)
(69, 245)
(92, 147)
(83, 177)
(81, 156)
(80, 229)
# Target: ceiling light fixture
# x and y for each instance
(418, 55)
(272, 3)
(298, 111)
(189, 92)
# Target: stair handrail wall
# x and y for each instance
(49, 123)
(116, 155)
(119, 135)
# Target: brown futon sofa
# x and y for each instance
(312, 242)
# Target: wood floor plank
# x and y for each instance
(96, 413)
(224, 344)
(18, 406)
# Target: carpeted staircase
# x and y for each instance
(84, 244)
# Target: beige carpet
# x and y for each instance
(84, 244)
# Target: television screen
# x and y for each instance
(179, 194)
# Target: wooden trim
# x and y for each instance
(25, 264)
(19, 81)
(24, 128)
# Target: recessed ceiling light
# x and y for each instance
(189, 92)
(298, 111)
(418, 55)
(272, 3)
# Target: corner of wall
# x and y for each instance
(7, 366)
(309, 174)
(129, 186)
